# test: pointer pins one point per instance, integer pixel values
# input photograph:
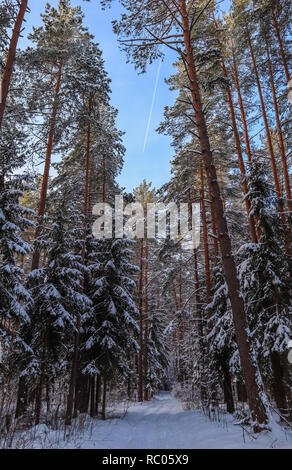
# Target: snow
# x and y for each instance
(160, 424)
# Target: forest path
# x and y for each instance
(162, 423)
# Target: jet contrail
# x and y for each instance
(152, 105)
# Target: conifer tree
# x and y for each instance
(266, 284)
(55, 296)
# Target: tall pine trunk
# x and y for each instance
(241, 165)
(268, 133)
(46, 174)
(140, 307)
(249, 369)
(205, 237)
(282, 52)
(7, 73)
(242, 111)
(279, 131)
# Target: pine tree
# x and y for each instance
(14, 221)
(266, 283)
(55, 296)
(110, 326)
(146, 24)
(7, 73)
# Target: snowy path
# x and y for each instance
(163, 424)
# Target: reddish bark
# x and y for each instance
(242, 112)
(279, 130)
(268, 133)
(248, 368)
(251, 224)
(45, 180)
(7, 74)
(282, 52)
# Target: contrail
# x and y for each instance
(152, 105)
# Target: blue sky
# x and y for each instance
(131, 95)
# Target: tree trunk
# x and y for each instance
(200, 332)
(7, 74)
(214, 231)
(242, 112)
(205, 236)
(97, 393)
(45, 180)
(268, 133)
(39, 396)
(227, 387)
(92, 397)
(279, 131)
(39, 391)
(278, 382)
(140, 304)
(282, 52)
(241, 165)
(75, 360)
(248, 367)
(103, 400)
(22, 397)
(146, 327)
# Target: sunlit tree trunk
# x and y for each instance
(279, 130)
(46, 173)
(282, 52)
(242, 111)
(7, 73)
(248, 367)
(268, 133)
(241, 165)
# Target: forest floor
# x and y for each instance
(159, 424)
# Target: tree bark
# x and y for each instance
(282, 52)
(242, 112)
(7, 74)
(278, 383)
(241, 165)
(205, 237)
(279, 131)
(227, 388)
(140, 306)
(268, 133)
(45, 180)
(249, 369)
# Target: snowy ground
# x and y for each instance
(159, 424)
